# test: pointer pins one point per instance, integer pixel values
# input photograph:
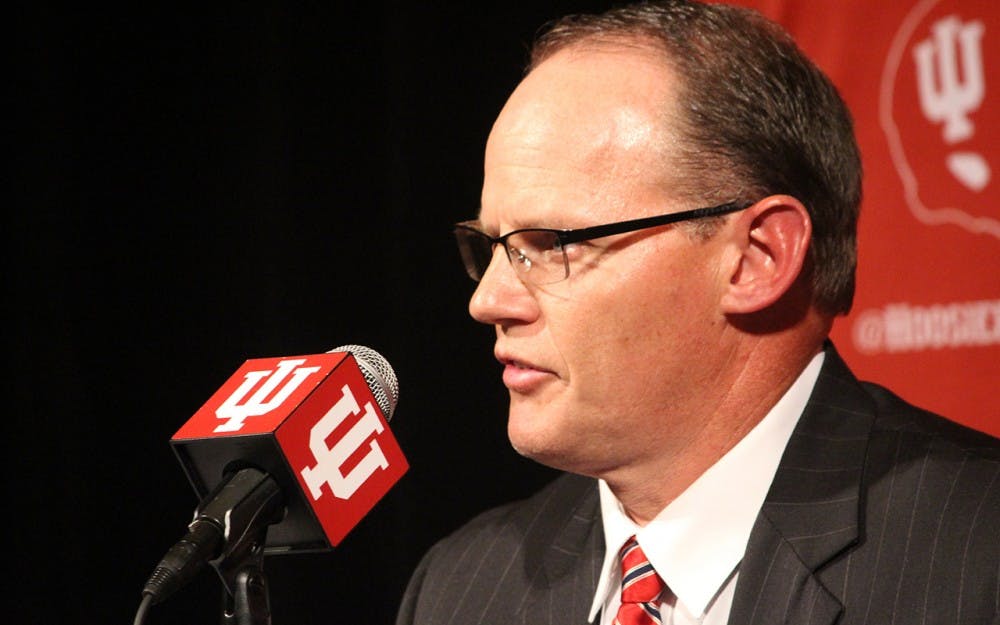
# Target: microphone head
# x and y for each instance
(378, 374)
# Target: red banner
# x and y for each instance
(916, 75)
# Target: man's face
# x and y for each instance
(607, 368)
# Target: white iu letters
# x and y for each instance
(948, 92)
(235, 410)
(330, 459)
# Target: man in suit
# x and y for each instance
(667, 232)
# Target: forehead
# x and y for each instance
(586, 135)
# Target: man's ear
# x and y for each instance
(771, 240)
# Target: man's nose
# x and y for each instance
(501, 296)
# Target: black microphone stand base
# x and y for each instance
(249, 604)
(245, 599)
(241, 564)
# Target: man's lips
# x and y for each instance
(521, 376)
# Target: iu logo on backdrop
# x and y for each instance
(940, 111)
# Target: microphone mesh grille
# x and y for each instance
(378, 374)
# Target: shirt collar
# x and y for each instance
(696, 542)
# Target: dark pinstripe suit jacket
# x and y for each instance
(879, 513)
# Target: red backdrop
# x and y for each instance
(919, 77)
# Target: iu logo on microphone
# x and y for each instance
(268, 396)
(342, 452)
(329, 460)
(259, 396)
(311, 422)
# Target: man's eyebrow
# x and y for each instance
(477, 223)
(519, 223)
(527, 222)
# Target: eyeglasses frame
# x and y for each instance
(576, 235)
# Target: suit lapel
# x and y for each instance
(811, 512)
(572, 551)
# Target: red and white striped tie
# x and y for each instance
(641, 588)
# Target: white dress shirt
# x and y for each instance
(697, 541)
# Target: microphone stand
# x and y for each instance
(231, 521)
(241, 563)
(245, 598)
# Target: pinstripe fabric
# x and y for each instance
(535, 562)
(879, 514)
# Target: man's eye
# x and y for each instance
(540, 242)
(574, 251)
(519, 256)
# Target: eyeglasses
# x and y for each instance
(538, 255)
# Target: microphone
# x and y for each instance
(290, 452)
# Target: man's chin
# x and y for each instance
(546, 447)
(534, 443)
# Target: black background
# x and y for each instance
(192, 189)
